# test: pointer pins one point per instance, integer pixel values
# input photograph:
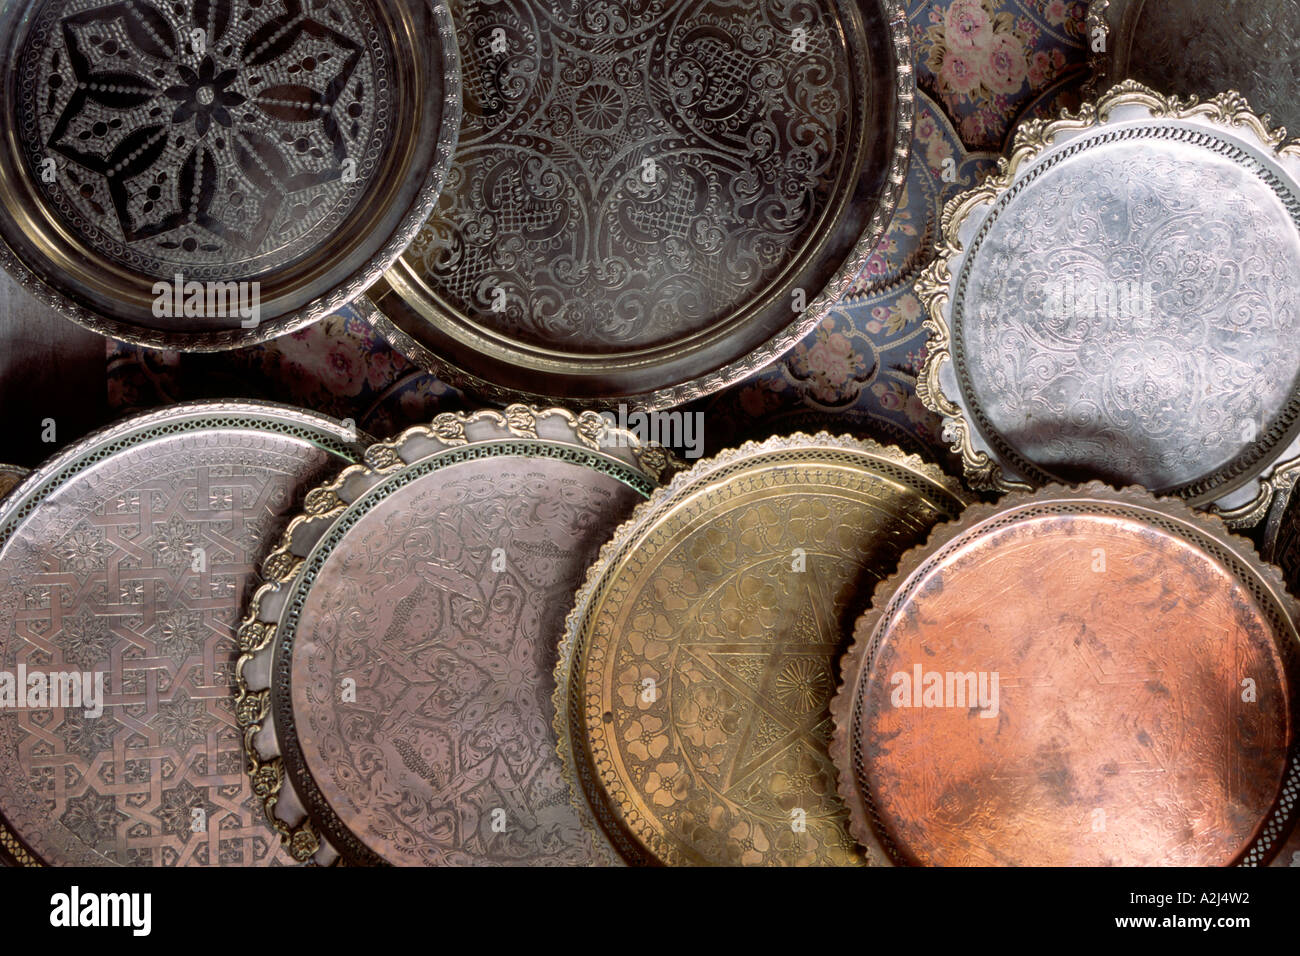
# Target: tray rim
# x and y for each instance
(347, 292)
(855, 663)
(1035, 139)
(741, 367)
(323, 509)
(684, 484)
(66, 464)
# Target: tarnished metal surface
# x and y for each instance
(700, 658)
(1073, 677)
(649, 198)
(414, 649)
(10, 475)
(295, 147)
(1118, 304)
(130, 556)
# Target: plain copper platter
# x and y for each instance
(1078, 677)
(698, 663)
(652, 201)
(1118, 303)
(296, 144)
(395, 690)
(131, 554)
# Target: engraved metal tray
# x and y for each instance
(130, 554)
(1202, 47)
(652, 201)
(1077, 676)
(693, 689)
(1119, 302)
(281, 153)
(397, 665)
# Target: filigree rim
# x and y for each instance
(854, 664)
(1033, 140)
(683, 484)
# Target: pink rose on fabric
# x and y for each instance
(343, 372)
(1004, 70)
(959, 72)
(831, 359)
(967, 26)
(1055, 11)
(1040, 70)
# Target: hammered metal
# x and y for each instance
(1118, 303)
(295, 145)
(1202, 47)
(699, 660)
(410, 651)
(1080, 676)
(649, 199)
(130, 554)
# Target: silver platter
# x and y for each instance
(128, 557)
(1120, 303)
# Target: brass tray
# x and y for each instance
(652, 201)
(1078, 676)
(1202, 47)
(207, 175)
(1118, 303)
(129, 555)
(10, 476)
(697, 669)
(396, 667)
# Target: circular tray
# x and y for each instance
(1073, 677)
(652, 201)
(130, 555)
(1118, 303)
(398, 662)
(1202, 47)
(282, 155)
(699, 661)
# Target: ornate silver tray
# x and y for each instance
(211, 174)
(396, 666)
(652, 201)
(128, 557)
(695, 678)
(1202, 47)
(1119, 302)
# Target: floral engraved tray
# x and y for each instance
(1202, 47)
(126, 560)
(1075, 676)
(1119, 302)
(212, 174)
(652, 200)
(395, 687)
(695, 678)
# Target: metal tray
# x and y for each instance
(397, 663)
(1078, 676)
(1119, 303)
(695, 676)
(652, 201)
(130, 554)
(282, 155)
(1202, 47)
(10, 476)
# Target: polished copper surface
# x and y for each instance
(701, 655)
(1073, 682)
(130, 556)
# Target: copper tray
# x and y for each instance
(695, 676)
(130, 554)
(10, 476)
(652, 201)
(397, 664)
(1080, 676)
(1119, 303)
(1201, 47)
(282, 155)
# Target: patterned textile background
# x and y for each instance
(981, 67)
